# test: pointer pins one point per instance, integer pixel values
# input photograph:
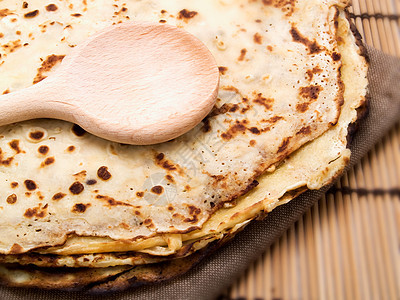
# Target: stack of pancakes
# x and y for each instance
(79, 211)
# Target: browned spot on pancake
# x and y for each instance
(7, 161)
(171, 208)
(336, 56)
(227, 107)
(31, 14)
(78, 130)
(14, 144)
(206, 125)
(242, 55)
(5, 12)
(257, 38)
(193, 210)
(185, 14)
(137, 213)
(187, 187)
(166, 164)
(252, 143)
(11, 46)
(310, 92)
(160, 156)
(39, 211)
(149, 223)
(7, 91)
(194, 219)
(111, 201)
(46, 66)
(302, 107)
(43, 149)
(71, 149)
(311, 73)
(287, 6)
(254, 130)
(48, 161)
(28, 194)
(222, 70)
(76, 188)
(80, 207)
(230, 88)
(58, 196)
(218, 178)
(140, 194)
(91, 182)
(80, 176)
(103, 173)
(162, 21)
(238, 128)
(40, 196)
(266, 102)
(270, 48)
(16, 249)
(12, 199)
(158, 189)
(76, 15)
(304, 130)
(24, 4)
(284, 145)
(124, 225)
(30, 185)
(312, 46)
(36, 135)
(272, 120)
(14, 184)
(51, 7)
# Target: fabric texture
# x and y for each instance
(217, 272)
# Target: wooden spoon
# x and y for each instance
(137, 83)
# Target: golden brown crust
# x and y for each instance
(363, 109)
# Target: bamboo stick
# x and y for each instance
(368, 235)
(358, 241)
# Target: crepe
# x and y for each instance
(283, 71)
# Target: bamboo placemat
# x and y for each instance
(347, 245)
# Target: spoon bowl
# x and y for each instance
(136, 83)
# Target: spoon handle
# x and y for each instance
(41, 100)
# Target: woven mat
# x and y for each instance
(346, 246)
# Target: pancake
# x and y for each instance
(272, 101)
(260, 132)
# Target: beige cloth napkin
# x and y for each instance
(218, 271)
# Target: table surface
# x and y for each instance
(347, 245)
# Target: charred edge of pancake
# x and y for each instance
(32, 258)
(363, 109)
(357, 36)
(82, 277)
(160, 272)
(362, 113)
